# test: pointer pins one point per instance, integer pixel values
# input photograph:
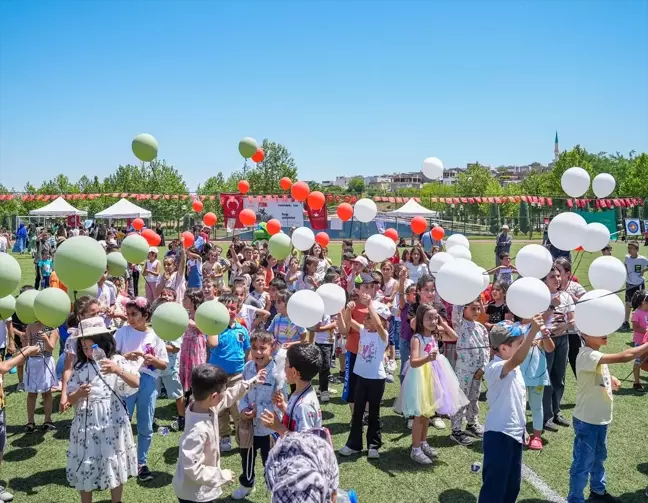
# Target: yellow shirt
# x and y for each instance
(594, 392)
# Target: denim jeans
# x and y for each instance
(145, 401)
(60, 366)
(394, 332)
(556, 368)
(404, 347)
(590, 453)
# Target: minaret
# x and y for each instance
(556, 148)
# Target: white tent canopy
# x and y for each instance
(124, 209)
(412, 209)
(57, 208)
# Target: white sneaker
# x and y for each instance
(430, 452)
(391, 365)
(225, 444)
(332, 391)
(373, 452)
(5, 495)
(410, 423)
(242, 492)
(418, 456)
(389, 378)
(438, 423)
(347, 451)
(20, 387)
(325, 398)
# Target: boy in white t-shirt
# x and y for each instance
(506, 417)
(636, 265)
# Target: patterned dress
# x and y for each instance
(193, 352)
(102, 453)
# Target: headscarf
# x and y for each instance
(301, 468)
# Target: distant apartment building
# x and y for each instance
(327, 183)
(343, 181)
(450, 176)
(379, 183)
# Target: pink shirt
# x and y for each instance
(640, 317)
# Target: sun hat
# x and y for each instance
(90, 327)
(153, 249)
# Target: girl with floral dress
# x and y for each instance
(193, 351)
(102, 453)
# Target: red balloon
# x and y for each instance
(209, 219)
(316, 200)
(258, 155)
(273, 226)
(392, 234)
(345, 211)
(418, 225)
(157, 239)
(247, 217)
(438, 233)
(187, 239)
(300, 191)
(138, 224)
(244, 186)
(322, 239)
(149, 235)
(197, 205)
(285, 183)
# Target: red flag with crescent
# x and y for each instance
(318, 218)
(232, 205)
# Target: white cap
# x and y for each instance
(153, 249)
(505, 227)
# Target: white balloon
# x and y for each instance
(599, 313)
(379, 247)
(527, 297)
(485, 277)
(460, 252)
(597, 237)
(305, 308)
(365, 210)
(603, 185)
(575, 181)
(607, 273)
(533, 261)
(437, 260)
(457, 239)
(432, 168)
(459, 282)
(334, 298)
(567, 231)
(303, 238)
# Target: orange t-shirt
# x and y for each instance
(353, 339)
(55, 282)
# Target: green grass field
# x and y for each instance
(34, 465)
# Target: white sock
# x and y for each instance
(416, 449)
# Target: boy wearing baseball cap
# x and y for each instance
(506, 417)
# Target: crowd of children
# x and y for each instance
(251, 384)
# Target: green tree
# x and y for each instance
(356, 186)
(477, 181)
(494, 218)
(264, 177)
(524, 218)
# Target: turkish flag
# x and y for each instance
(232, 205)
(318, 218)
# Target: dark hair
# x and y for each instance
(82, 304)
(207, 379)
(507, 342)
(501, 285)
(634, 243)
(306, 359)
(24, 288)
(348, 256)
(350, 251)
(420, 314)
(196, 296)
(145, 310)
(310, 260)
(278, 283)
(331, 276)
(262, 337)
(253, 268)
(104, 341)
(607, 248)
(170, 290)
(564, 263)
(228, 299)
(283, 296)
(378, 278)
(347, 243)
(311, 252)
(407, 252)
(639, 298)
(265, 260)
(553, 269)
(503, 255)
(424, 280)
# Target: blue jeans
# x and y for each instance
(404, 347)
(60, 366)
(394, 332)
(145, 401)
(590, 453)
(502, 469)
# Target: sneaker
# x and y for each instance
(561, 421)
(242, 492)
(225, 444)
(332, 391)
(49, 426)
(5, 495)
(550, 426)
(365, 419)
(389, 378)
(144, 474)
(606, 497)
(20, 387)
(475, 430)
(637, 386)
(624, 327)
(325, 398)
(391, 365)
(410, 423)
(178, 424)
(418, 456)
(438, 423)
(397, 355)
(430, 452)
(335, 380)
(535, 444)
(373, 452)
(462, 438)
(347, 451)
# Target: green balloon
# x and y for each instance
(279, 245)
(52, 307)
(25, 306)
(212, 317)
(7, 307)
(79, 262)
(170, 320)
(248, 147)
(10, 274)
(116, 264)
(91, 291)
(145, 147)
(135, 248)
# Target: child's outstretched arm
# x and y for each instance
(18, 358)
(625, 356)
(233, 394)
(521, 352)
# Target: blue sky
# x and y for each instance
(350, 87)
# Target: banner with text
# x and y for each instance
(290, 214)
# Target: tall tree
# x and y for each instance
(356, 185)
(277, 163)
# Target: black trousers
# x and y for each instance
(575, 343)
(556, 368)
(367, 391)
(248, 458)
(37, 280)
(136, 276)
(325, 369)
(502, 470)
